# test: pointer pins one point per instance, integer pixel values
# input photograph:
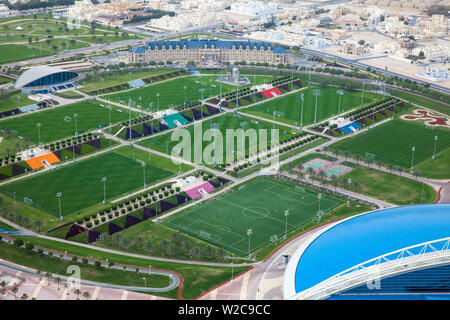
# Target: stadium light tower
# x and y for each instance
(143, 171)
(316, 93)
(215, 127)
(340, 92)
(286, 213)
(38, 125)
(302, 97)
(435, 142)
(202, 90)
(59, 195)
(319, 196)
(109, 108)
(104, 189)
(412, 159)
(157, 99)
(185, 87)
(249, 233)
(75, 115)
(362, 93)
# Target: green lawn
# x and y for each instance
(14, 100)
(392, 143)
(69, 95)
(288, 107)
(81, 185)
(113, 78)
(164, 143)
(171, 92)
(59, 122)
(422, 101)
(11, 144)
(259, 206)
(388, 187)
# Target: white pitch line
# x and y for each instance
(124, 295)
(95, 293)
(38, 289)
(243, 294)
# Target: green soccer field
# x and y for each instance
(59, 122)
(81, 184)
(172, 92)
(164, 143)
(260, 206)
(288, 107)
(392, 143)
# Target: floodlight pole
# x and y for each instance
(286, 213)
(104, 189)
(362, 94)
(412, 159)
(75, 115)
(129, 109)
(302, 97)
(316, 93)
(59, 195)
(435, 142)
(185, 87)
(319, 196)
(143, 171)
(109, 108)
(157, 99)
(340, 92)
(249, 233)
(38, 125)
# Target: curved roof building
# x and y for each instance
(44, 76)
(392, 253)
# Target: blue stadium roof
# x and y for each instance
(365, 237)
(199, 44)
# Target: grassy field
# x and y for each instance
(69, 95)
(10, 144)
(113, 78)
(388, 187)
(81, 185)
(392, 143)
(59, 122)
(259, 206)
(288, 107)
(14, 100)
(163, 142)
(172, 92)
(422, 101)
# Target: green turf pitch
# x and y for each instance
(392, 142)
(164, 143)
(60, 122)
(288, 107)
(172, 93)
(81, 185)
(259, 206)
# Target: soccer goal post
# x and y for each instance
(300, 189)
(28, 201)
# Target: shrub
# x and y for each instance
(89, 224)
(96, 221)
(135, 205)
(117, 213)
(84, 260)
(110, 215)
(103, 219)
(166, 193)
(129, 208)
(74, 259)
(160, 196)
(125, 210)
(97, 264)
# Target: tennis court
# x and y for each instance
(259, 206)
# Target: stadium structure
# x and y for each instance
(201, 51)
(396, 253)
(44, 79)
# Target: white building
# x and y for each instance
(434, 74)
(254, 8)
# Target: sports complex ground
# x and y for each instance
(288, 107)
(172, 92)
(260, 206)
(81, 184)
(60, 122)
(222, 219)
(392, 143)
(164, 143)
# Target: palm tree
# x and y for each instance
(310, 171)
(416, 174)
(3, 284)
(38, 225)
(335, 184)
(356, 185)
(58, 280)
(391, 167)
(357, 156)
(148, 248)
(86, 294)
(14, 290)
(301, 175)
(24, 296)
(77, 292)
(400, 171)
(380, 163)
(346, 155)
